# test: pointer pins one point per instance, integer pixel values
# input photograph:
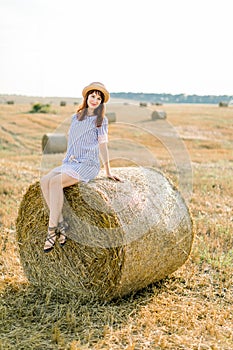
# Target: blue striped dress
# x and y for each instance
(82, 158)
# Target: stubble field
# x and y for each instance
(191, 309)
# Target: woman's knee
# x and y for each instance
(44, 181)
(62, 180)
(55, 181)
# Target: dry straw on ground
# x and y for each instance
(54, 143)
(123, 235)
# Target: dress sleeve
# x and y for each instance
(74, 116)
(102, 131)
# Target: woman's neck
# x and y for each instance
(90, 112)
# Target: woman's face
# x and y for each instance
(94, 100)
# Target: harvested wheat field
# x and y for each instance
(190, 308)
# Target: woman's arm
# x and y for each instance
(105, 160)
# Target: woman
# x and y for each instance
(88, 136)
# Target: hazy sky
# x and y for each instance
(55, 47)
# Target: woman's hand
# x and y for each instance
(114, 177)
(105, 160)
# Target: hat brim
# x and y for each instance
(99, 88)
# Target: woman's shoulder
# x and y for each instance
(74, 117)
(105, 120)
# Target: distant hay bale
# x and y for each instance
(54, 143)
(123, 236)
(156, 103)
(223, 104)
(111, 117)
(158, 115)
(143, 104)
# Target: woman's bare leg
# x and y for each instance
(45, 184)
(56, 199)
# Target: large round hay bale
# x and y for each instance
(123, 235)
(111, 117)
(54, 143)
(223, 104)
(158, 115)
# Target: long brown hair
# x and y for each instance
(99, 111)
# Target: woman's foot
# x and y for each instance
(50, 240)
(63, 227)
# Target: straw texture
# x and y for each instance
(123, 236)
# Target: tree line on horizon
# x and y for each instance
(170, 98)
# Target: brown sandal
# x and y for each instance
(63, 227)
(51, 238)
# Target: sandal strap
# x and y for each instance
(52, 228)
(63, 224)
(50, 238)
(63, 227)
(63, 234)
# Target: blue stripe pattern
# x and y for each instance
(82, 157)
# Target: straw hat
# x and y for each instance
(97, 86)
